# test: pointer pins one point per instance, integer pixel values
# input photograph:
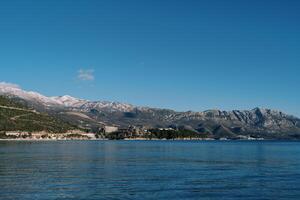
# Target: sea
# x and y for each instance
(93, 170)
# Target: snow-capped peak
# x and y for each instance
(9, 85)
(64, 101)
(69, 101)
(15, 90)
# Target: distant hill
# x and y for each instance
(93, 115)
(17, 117)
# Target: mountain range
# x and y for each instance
(93, 115)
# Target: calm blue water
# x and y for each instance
(150, 170)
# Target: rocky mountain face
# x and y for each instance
(94, 114)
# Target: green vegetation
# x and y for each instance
(168, 134)
(115, 136)
(174, 134)
(16, 117)
(4, 101)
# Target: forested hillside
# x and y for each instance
(17, 117)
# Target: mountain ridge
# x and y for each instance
(73, 102)
(96, 114)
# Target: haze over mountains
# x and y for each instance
(95, 114)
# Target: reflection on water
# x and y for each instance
(149, 170)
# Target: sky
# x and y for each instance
(177, 54)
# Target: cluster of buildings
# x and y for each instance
(115, 132)
(106, 132)
(73, 134)
(110, 132)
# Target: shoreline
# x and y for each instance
(42, 140)
(136, 139)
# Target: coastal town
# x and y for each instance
(118, 133)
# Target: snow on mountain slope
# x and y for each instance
(15, 90)
(66, 101)
(108, 106)
(69, 101)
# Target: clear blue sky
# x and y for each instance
(184, 55)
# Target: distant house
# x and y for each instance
(18, 134)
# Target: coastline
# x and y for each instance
(138, 139)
